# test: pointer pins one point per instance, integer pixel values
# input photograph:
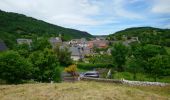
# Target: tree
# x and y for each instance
(119, 53)
(14, 68)
(23, 49)
(40, 44)
(159, 66)
(106, 59)
(133, 66)
(64, 56)
(57, 74)
(145, 52)
(44, 62)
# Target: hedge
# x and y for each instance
(90, 66)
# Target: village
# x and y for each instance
(82, 48)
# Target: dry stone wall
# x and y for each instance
(137, 83)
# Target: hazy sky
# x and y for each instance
(97, 17)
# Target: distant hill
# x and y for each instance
(13, 25)
(147, 35)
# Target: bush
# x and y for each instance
(124, 75)
(90, 66)
(44, 63)
(14, 68)
(71, 69)
(57, 75)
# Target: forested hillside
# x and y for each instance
(13, 25)
(147, 35)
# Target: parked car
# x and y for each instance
(93, 74)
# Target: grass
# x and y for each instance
(139, 77)
(82, 91)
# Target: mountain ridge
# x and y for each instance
(148, 35)
(14, 25)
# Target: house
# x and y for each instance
(76, 53)
(79, 42)
(3, 46)
(55, 41)
(67, 44)
(24, 41)
(98, 44)
(131, 40)
(87, 51)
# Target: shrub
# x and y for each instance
(14, 68)
(90, 66)
(57, 75)
(71, 69)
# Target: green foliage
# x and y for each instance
(13, 26)
(40, 44)
(139, 77)
(106, 59)
(90, 66)
(160, 66)
(64, 56)
(23, 49)
(44, 62)
(14, 68)
(168, 50)
(57, 75)
(145, 52)
(147, 35)
(119, 53)
(133, 66)
(99, 49)
(40, 66)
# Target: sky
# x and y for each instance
(98, 17)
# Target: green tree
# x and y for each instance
(23, 49)
(40, 44)
(145, 52)
(159, 66)
(44, 63)
(119, 53)
(133, 66)
(14, 68)
(57, 75)
(64, 56)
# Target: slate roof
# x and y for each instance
(74, 51)
(3, 46)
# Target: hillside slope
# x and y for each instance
(147, 35)
(13, 25)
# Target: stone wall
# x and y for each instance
(137, 83)
(144, 83)
(100, 80)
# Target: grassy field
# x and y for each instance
(82, 91)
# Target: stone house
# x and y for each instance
(55, 41)
(24, 41)
(98, 44)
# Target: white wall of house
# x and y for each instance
(75, 58)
